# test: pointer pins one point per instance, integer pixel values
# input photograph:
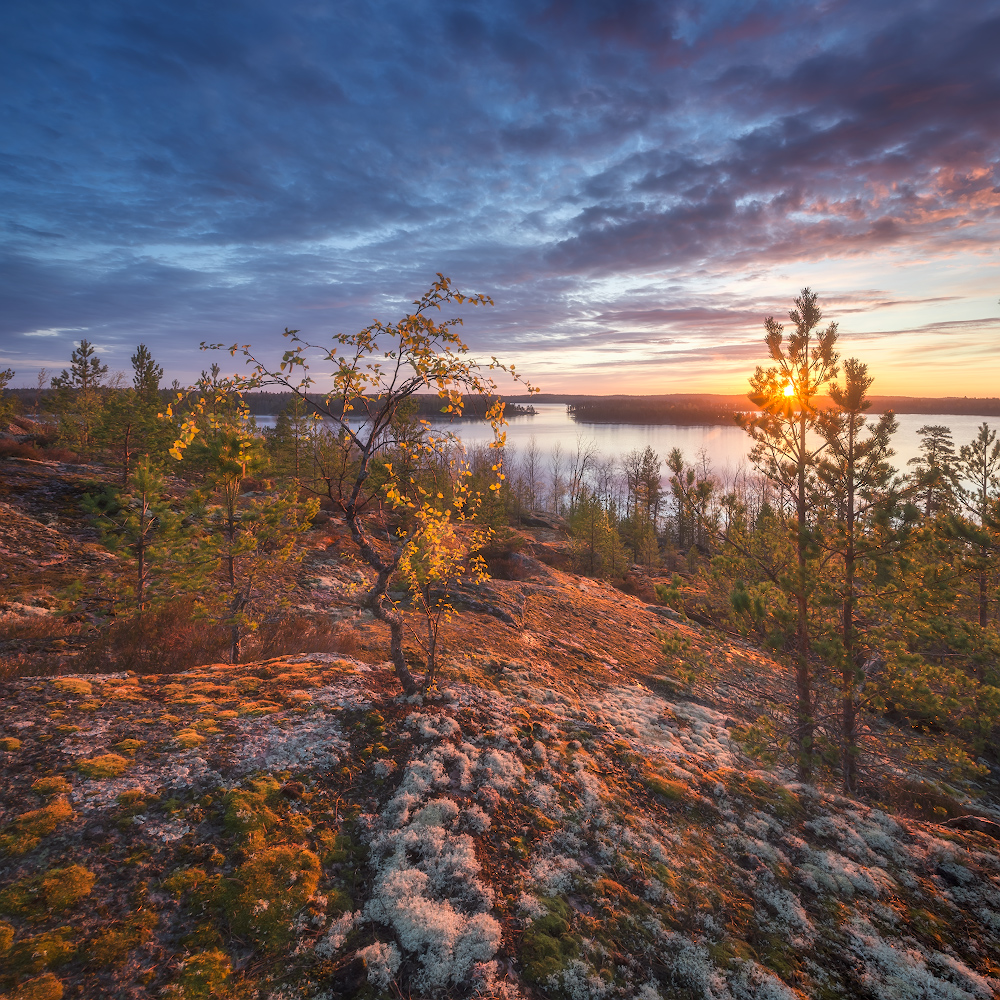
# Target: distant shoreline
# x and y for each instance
(691, 408)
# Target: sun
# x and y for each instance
(789, 389)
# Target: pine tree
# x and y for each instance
(785, 452)
(246, 542)
(85, 373)
(935, 479)
(79, 402)
(7, 402)
(130, 424)
(859, 484)
(978, 466)
(140, 522)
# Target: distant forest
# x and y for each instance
(673, 408)
(704, 408)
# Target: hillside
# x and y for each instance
(571, 815)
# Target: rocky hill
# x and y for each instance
(571, 815)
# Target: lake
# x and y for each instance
(727, 447)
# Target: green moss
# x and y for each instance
(54, 785)
(130, 746)
(74, 685)
(9, 744)
(108, 765)
(189, 738)
(783, 803)
(268, 891)
(673, 791)
(45, 987)
(248, 810)
(36, 953)
(338, 902)
(57, 889)
(199, 887)
(25, 833)
(203, 976)
(110, 947)
(65, 887)
(548, 946)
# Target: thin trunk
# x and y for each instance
(805, 727)
(126, 457)
(983, 611)
(849, 706)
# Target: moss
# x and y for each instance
(108, 765)
(88, 706)
(258, 708)
(547, 946)
(110, 947)
(124, 692)
(34, 954)
(129, 746)
(268, 891)
(74, 685)
(203, 976)
(66, 730)
(195, 883)
(338, 902)
(65, 887)
(6, 937)
(10, 744)
(247, 810)
(673, 791)
(24, 833)
(189, 738)
(45, 987)
(57, 889)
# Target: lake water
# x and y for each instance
(727, 447)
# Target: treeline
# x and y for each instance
(687, 410)
(707, 409)
(426, 405)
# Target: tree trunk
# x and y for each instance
(803, 687)
(378, 602)
(849, 708)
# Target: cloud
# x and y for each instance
(178, 172)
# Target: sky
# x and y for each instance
(636, 184)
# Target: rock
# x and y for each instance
(978, 823)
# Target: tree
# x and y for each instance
(139, 521)
(978, 466)
(146, 375)
(436, 558)
(78, 399)
(86, 372)
(7, 403)
(245, 541)
(783, 450)
(130, 423)
(935, 479)
(375, 371)
(858, 482)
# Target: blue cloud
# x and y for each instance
(180, 171)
